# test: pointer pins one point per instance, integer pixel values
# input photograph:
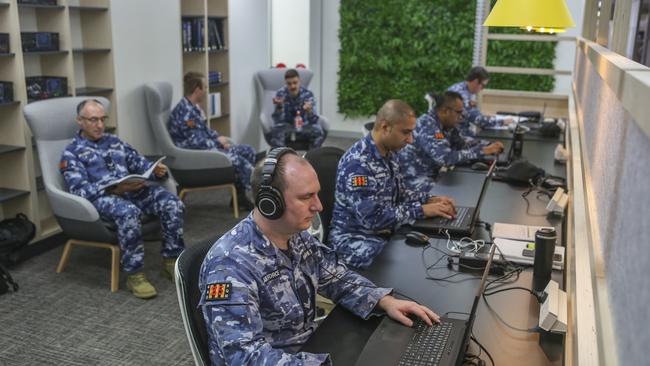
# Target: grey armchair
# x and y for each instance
(194, 170)
(267, 82)
(53, 126)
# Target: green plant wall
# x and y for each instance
(403, 49)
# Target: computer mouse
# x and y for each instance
(416, 238)
(480, 166)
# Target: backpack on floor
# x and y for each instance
(15, 233)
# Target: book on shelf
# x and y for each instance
(133, 177)
(214, 102)
(192, 29)
(215, 34)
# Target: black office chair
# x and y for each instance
(325, 161)
(187, 270)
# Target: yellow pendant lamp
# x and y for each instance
(544, 16)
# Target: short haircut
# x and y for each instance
(80, 106)
(393, 112)
(191, 81)
(278, 181)
(478, 72)
(291, 73)
(447, 99)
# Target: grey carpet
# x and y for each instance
(72, 318)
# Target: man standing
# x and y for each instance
(188, 128)
(371, 198)
(476, 80)
(295, 117)
(94, 159)
(259, 281)
(438, 143)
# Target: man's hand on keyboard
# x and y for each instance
(443, 209)
(399, 309)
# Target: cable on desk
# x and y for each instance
(483, 348)
(541, 192)
(529, 330)
(508, 289)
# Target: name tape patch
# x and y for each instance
(218, 291)
(360, 181)
(270, 276)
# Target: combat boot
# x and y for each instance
(140, 286)
(167, 271)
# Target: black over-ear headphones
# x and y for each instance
(269, 200)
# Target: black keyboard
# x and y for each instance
(461, 215)
(427, 345)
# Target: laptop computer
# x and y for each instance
(441, 344)
(465, 220)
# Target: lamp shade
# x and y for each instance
(536, 14)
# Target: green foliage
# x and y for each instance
(405, 48)
(520, 54)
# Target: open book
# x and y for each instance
(133, 177)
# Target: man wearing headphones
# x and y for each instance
(371, 198)
(259, 281)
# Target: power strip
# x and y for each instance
(476, 262)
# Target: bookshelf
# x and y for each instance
(207, 59)
(84, 58)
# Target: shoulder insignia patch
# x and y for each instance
(439, 136)
(63, 164)
(218, 291)
(190, 123)
(360, 181)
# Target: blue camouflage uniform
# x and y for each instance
(188, 128)
(371, 202)
(434, 147)
(471, 115)
(259, 302)
(88, 165)
(284, 114)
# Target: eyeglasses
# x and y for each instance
(455, 111)
(95, 120)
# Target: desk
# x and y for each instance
(507, 135)
(401, 266)
(539, 153)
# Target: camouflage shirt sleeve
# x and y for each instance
(234, 320)
(76, 177)
(372, 213)
(313, 117)
(482, 120)
(346, 287)
(135, 162)
(446, 152)
(279, 110)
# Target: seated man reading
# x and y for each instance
(438, 142)
(189, 129)
(295, 117)
(95, 158)
(259, 281)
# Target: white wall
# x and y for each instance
(290, 32)
(325, 63)
(146, 47)
(248, 23)
(565, 52)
